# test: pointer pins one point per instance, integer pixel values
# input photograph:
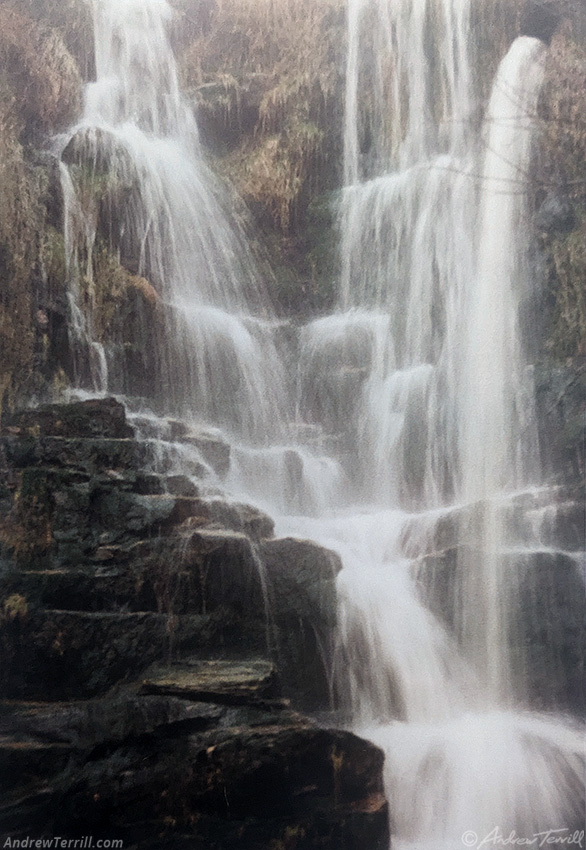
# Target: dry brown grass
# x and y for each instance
(280, 61)
(40, 71)
(562, 169)
(70, 19)
(18, 216)
(40, 89)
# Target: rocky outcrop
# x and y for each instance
(152, 642)
(544, 587)
(201, 752)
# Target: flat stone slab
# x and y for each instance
(227, 682)
(98, 417)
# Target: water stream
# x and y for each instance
(405, 439)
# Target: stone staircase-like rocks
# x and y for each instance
(156, 647)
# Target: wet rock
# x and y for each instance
(541, 18)
(244, 518)
(73, 655)
(561, 419)
(552, 629)
(213, 449)
(224, 682)
(558, 524)
(124, 598)
(546, 590)
(101, 417)
(148, 484)
(248, 785)
(30, 762)
(190, 570)
(89, 455)
(439, 583)
(181, 485)
(158, 769)
(87, 724)
(555, 215)
(228, 572)
(302, 595)
(139, 514)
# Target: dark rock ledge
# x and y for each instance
(146, 695)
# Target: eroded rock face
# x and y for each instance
(152, 641)
(204, 752)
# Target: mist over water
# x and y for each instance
(405, 427)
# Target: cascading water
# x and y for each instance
(422, 373)
(411, 433)
(135, 159)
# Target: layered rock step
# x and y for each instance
(153, 640)
(202, 751)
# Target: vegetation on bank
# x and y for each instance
(561, 178)
(267, 81)
(39, 95)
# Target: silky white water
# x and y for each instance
(404, 430)
(135, 159)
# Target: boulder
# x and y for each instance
(301, 581)
(243, 786)
(241, 517)
(156, 766)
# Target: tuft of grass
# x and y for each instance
(270, 74)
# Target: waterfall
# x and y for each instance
(494, 412)
(434, 238)
(406, 444)
(135, 159)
